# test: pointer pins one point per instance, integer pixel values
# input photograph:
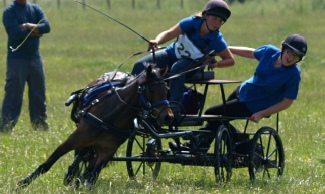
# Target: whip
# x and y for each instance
(128, 27)
(115, 20)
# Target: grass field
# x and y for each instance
(83, 45)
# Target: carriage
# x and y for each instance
(151, 119)
(261, 152)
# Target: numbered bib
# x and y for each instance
(184, 48)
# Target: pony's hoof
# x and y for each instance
(69, 176)
(77, 183)
(23, 183)
(67, 180)
(89, 185)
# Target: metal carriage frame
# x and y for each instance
(261, 152)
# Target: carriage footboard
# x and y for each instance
(153, 132)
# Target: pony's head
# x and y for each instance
(155, 94)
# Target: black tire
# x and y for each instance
(137, 148)
(223, 155)
(266, 157)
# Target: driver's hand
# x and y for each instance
(152, 45)
(256, 117)
(210, 61)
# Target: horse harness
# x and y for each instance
(87, 97)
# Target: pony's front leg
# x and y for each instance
(43, 168)
(29, 178)
(32, 176)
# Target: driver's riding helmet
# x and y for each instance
(217, 8)
(296, 44)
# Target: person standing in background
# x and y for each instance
(25, 23)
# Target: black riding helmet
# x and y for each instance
(295, 43)
(217, 8)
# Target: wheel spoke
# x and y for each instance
(138, 169)
(139, 143)
(266, 159)
(223, 155)
(274, 151)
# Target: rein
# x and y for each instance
(197, 61)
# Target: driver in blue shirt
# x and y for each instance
(196, 36)
(273, 87)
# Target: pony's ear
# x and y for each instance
(163, 71)
(149, 69)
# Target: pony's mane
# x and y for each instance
(131, 79)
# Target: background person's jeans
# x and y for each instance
(19, 72)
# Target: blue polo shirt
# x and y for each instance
(213, 40)
(269, 85)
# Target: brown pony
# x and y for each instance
(106, 120)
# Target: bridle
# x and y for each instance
(145, 97)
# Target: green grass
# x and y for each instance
(84, 44)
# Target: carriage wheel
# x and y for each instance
(142, 145)
(266, 157)
(223, 155)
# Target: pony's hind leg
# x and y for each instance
(73, 171)
(90, 178)
(101, 161)
(88, 161)
(82, 157)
